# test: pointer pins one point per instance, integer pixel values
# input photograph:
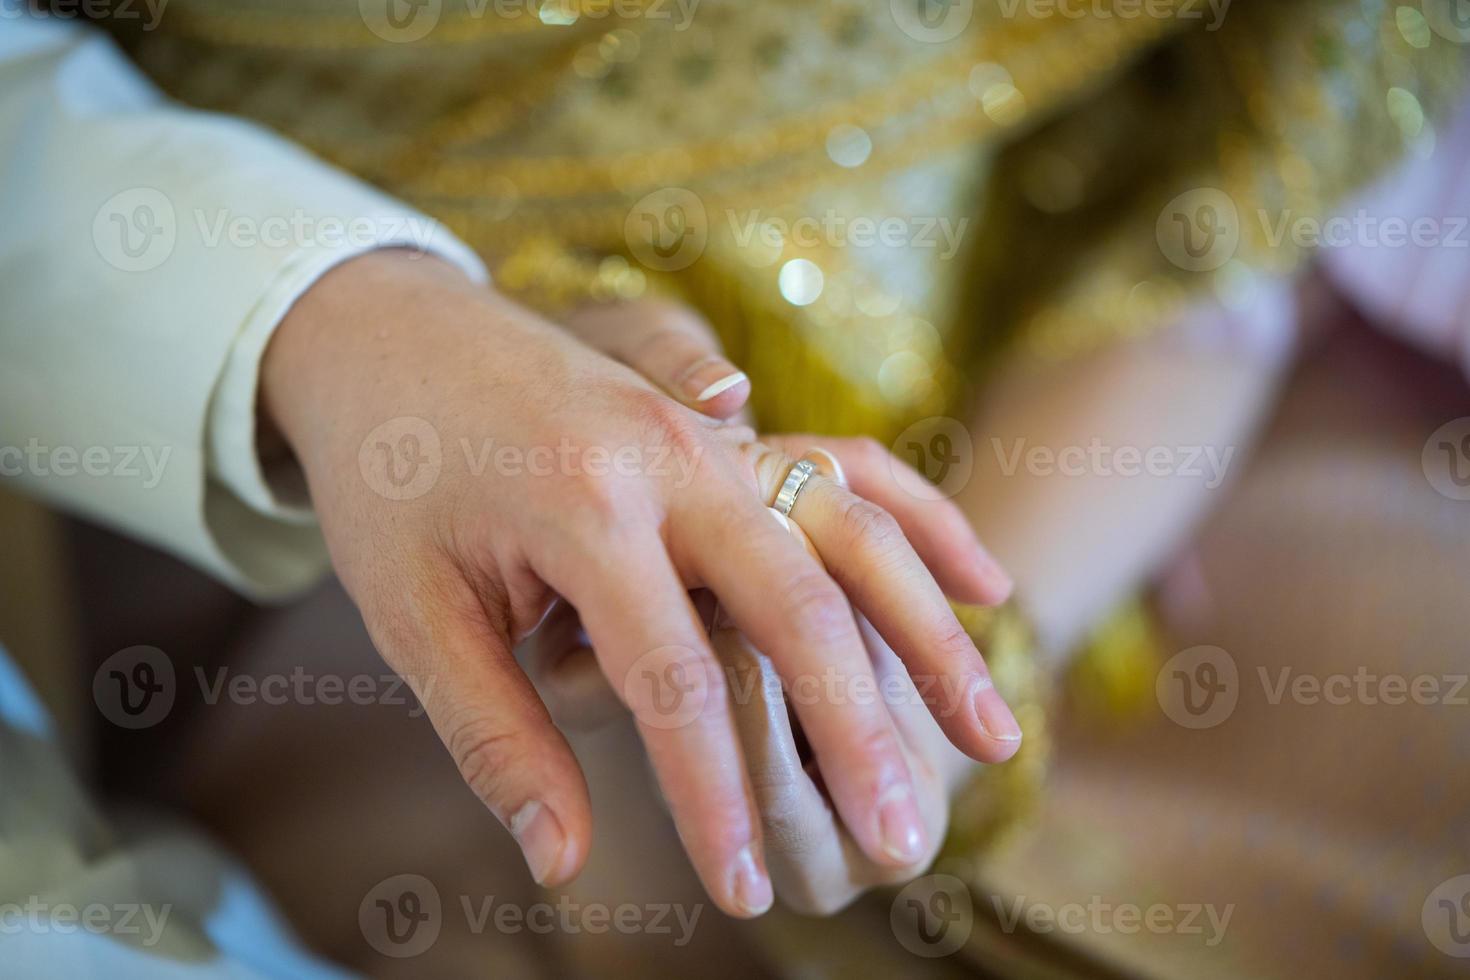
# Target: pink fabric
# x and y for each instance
(1417, 292)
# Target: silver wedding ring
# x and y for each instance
(796, 478)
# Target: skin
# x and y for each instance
(449, 580)
(815, 862)
(1218, 392)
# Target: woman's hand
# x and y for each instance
(470, 462)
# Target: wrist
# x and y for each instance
(327, 342)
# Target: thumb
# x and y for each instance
(494, 725)
(670, 345)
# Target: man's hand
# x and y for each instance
(469, 463)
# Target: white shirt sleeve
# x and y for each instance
(147, 253)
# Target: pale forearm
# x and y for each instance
(1090, 472)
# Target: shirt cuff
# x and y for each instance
(276, 488)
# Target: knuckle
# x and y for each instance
(666, 423)
(594, 504)
(484, 753)
(789, 829)
(952, 644)
(869, 526)
(817, 609)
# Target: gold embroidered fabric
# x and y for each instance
(1052, 182)
(600, 148)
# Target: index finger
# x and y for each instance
(653, 650)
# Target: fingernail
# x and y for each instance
(901, 836)
(781, 518)
(539, 833)
(994, 715)
(720, 387)
(751, 887)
